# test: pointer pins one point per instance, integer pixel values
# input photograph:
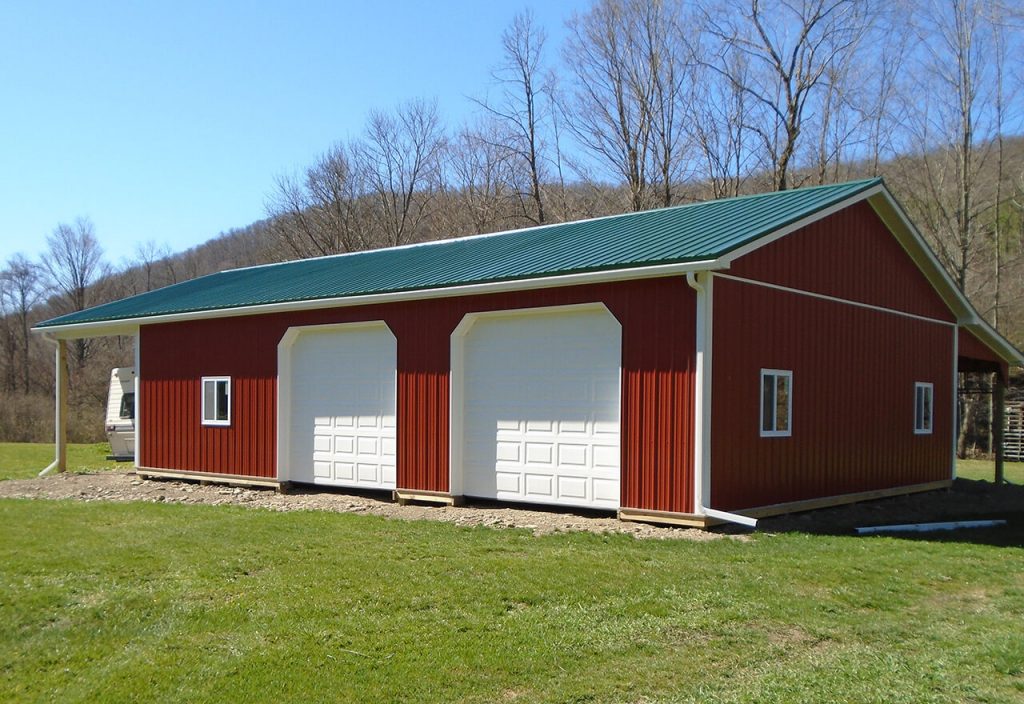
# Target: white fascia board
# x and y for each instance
(129, 326)
(915, 245)
(108, 328)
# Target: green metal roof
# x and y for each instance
(686, 233)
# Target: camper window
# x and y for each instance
(127, 407)
(216, 400)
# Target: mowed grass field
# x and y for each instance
(170, 603)
(985, 470)
(22, 460)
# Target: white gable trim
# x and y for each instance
(726, 260)
(910, 238)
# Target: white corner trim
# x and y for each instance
(708, 392)
(703, 335)
(954, 424)
(284, 371)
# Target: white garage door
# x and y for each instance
(541, 408)
(342, 407)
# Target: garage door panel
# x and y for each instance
(541, 408)
(343, 417)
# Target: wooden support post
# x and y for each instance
(61, 403)
(998, 423)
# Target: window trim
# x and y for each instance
(776, 373)
(202, 400)
(929, 396)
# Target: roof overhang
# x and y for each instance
(895, 218)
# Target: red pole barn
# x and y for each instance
(719, 360)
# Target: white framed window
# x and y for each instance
(923, 397)
(776, 403)
(216, 400)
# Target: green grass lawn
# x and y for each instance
(986, 469)
(151, 602)
(21, 460)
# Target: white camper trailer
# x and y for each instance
(121, 413)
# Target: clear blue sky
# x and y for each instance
(168, 121)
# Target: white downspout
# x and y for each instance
(137, 354)
(701, 415)
(60, 462)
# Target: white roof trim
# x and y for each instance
(130, 326)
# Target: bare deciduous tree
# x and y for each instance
(148, 258)
(610, 110)
(400, 156)
(952, 146)
(790, 46)
(321, 214)
(22, 291)
(522, 109)
(74, 262)
(717, 115)
(477, 193)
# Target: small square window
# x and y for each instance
(923, 393)
(776, 403)
(216, 400)
(127, 406)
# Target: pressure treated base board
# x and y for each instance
(698, 521)
(209, 478)
(671, 518)
(842, 499)
(406, 496)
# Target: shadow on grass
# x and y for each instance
(966, 500)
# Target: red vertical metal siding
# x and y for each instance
(850, 255)
(853, 397)
(657, 318)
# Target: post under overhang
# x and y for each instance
(60, 418)
(998, 423)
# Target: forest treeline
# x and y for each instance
(646, 104)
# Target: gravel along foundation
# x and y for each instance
(966, 500)
(126, 486)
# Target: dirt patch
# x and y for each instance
(126, 486)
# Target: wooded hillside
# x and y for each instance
(647, 104)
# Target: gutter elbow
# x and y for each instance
(691, 279)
